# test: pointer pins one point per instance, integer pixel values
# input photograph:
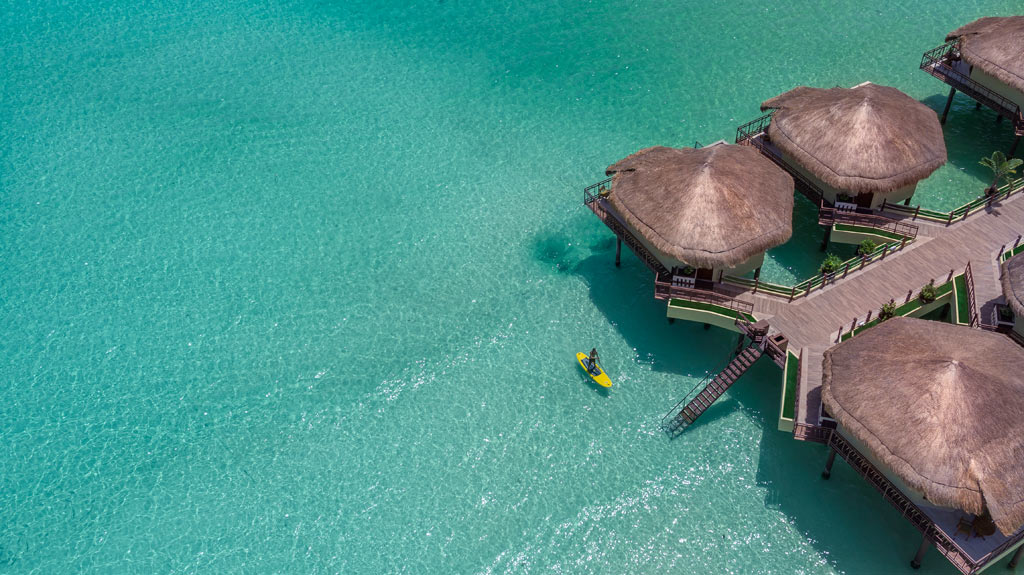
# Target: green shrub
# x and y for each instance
(888, 310)
(831, 264)
(866, 247)
(928, 293)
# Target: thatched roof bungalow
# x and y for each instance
(993, 47)
(858, 145)
(716, 209)
(1013, 289)
(985, 61)
(939, 415)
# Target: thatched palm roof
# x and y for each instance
(712, 207)
(1013, 284)
(869, 138)
(996, 46)
(941, 405)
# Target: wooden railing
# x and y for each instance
(592, 198)
(746, 327)
(943, 543)
(663, 289)
(670, 422)
(976, 205)
(754, 134)
(831, 216)
(975, 320)
(753, 128)
(940, 62)
(819, 281)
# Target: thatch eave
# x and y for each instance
(996, 46)
(713, 207)
(869, 138)
(941, 410)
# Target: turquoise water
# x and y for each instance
(297, 288)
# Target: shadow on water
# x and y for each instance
(625, 296)
(870, 530)
(849, 524)
(971, 133)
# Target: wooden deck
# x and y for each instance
(813, 323)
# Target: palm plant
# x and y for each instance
(1002, 168)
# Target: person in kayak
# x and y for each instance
(594, 358)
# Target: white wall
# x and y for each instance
(997, 86)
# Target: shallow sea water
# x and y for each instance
(297, 288)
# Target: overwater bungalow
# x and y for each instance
(1013, 291)
(934, 424)
(985, 61)
(850, 148)
(694, 214)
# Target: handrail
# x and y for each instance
(593, 201)
(939, 63)
(943, 544)
(754, 133)
(834, 216)
(806, 286)
(665, 290)
(752, 128)
(674, 412)
(974, 318)
(589, 197)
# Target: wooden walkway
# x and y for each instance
(813, 323)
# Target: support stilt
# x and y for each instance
(707, 326)
(1013, 148)
(949, 102)
(916, 561)
(618, 251)
(671, 320)
(1016, 558)
(828, 464)
(999, 119)
(977, 105)
(907, 201)
(828, 236)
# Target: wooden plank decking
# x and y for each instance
(814, 322)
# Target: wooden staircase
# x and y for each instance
(677, 420)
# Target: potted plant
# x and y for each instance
(866, 247)
(888, 310)
(928, 293)
(830, 264)
(1002, 169)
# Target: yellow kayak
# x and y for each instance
(597, 374)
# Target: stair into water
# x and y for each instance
(677, 420)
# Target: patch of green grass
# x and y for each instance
(867, 230)
(792, 375)
(1010, 253)
(703, 306)
(907, 308)
(963, 310)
